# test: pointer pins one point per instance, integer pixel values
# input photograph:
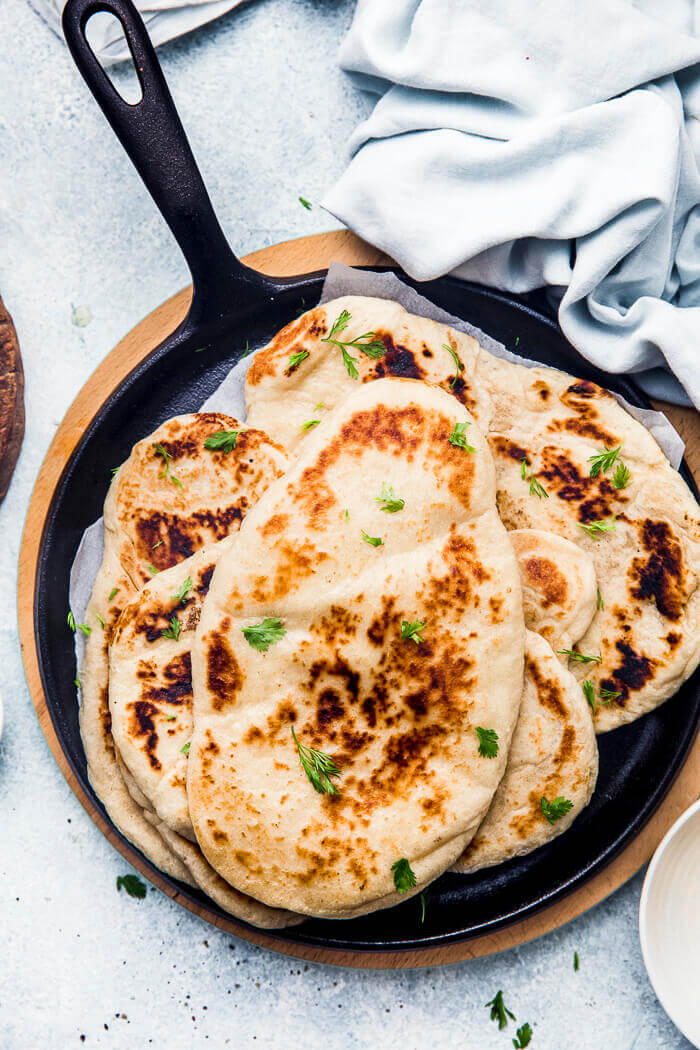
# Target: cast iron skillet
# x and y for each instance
(233, 305)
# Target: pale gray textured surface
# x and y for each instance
(268, 115)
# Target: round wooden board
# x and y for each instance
(297, 257)
(11, 400)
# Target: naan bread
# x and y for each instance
(648, 629)
(553, 754)
(174, 496)
(135, 509)
(559, 586)
(150, 684)
(398, 716)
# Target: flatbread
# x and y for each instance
(174, 496)
(647, 630)
(553, 755)
(559, 586)
(398, 716)
(137, 507)
(150, 684)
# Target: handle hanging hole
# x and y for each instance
(105, 35)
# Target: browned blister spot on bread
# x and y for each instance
(142, 726)
(399, 360)
(176, 683)
(632, 674)
(549, 691)
(288, 341)
(224, 676)
(660, 576)
(544, 577)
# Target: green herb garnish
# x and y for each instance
(374, 348)
(296, 359)
(458, 437)
(183, 590)
(536, 489)
(391, 503)
(458, 364)
(133, 886)
(100, 621)
(600, 604)
(309, 424)
(262, 635)
(603, 460)
(374, 541)
(499, 1010)
(70, 620)
(523, 1036)
(608, 695)
(156, 545)
(411, 630)
(580, 658)
(404, 875)
(174, 630)
(152, 569)
(185, 749)
(423, 901)
(556, 809)
(222, 441)
(621, 477)
(112, 593)
(576, 961)
(304, 203)
(488, 742)
(589, 693)
(596, 528)
(166, 471)
(319, 768)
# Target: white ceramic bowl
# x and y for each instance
(669, 923)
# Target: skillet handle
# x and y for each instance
(151, 133)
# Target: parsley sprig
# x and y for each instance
(458, 364)
(536, 489)
(166, 471)
(262, 635)
(523, 1036)
(373, 347)
(556, 809)
(602, 460)
(185, 749)
(595, 529)
(392, 504)
(458, 437)
(621, 476)
(374, 541)
(411, 630)
(70, 620)
(174, 630)
(183, 590)
(319, 768)
(499, 1010)
(296, 359)
(309, 424)
(580, 658)
(488, 742)
(222, 441)
(133, 886)
(404, 875)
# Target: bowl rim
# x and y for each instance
(644, 928)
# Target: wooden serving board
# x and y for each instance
(297, 257)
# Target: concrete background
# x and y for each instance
(268, 114)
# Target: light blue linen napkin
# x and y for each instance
(523, 145)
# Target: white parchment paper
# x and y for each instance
(229, 398)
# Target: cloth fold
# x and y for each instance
(556, 145)
(164, 20)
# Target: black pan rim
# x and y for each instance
(296, 935)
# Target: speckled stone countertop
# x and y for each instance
(269, 115)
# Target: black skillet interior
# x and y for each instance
(232, 307)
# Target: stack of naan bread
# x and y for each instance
(377, 644)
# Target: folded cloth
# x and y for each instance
(550, 145)
(164, 20)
